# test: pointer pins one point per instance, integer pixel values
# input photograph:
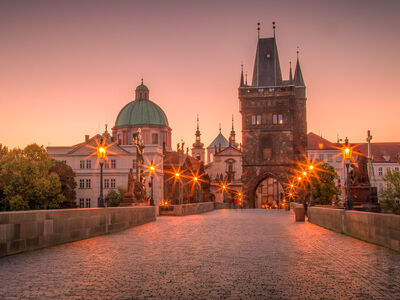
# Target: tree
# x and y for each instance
(323, 184)
(68, 184)
(391, 194)
(26, 181)
(114, 197)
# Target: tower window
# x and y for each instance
(277, 119)
(256, 119)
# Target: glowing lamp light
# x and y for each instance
(291, 185)
(290, 194)
(311, 167)
(152, 168)
(195, 178)
(177, 174)
(240, 194)
(101, 152)
(304, 173)
(299, 178)
(347, 150)
(224, 187)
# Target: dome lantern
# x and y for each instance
(142, 92)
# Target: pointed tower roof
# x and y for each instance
(198, 143)
(241, 78)
(298, 76)
(290, 72)
(267, 70)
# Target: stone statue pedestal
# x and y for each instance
(364, 198)
(128, 200)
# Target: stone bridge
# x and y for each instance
(244, 254)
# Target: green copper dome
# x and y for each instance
(140, 113)
(142, 87)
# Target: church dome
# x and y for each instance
(142, 87)
(141, 113)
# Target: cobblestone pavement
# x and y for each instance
(222, 254)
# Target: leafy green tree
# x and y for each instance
(26, 181)
(323, 185)
(68, 184)
(391, 194)
(114, 197)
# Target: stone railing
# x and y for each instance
(29, 230)
(380, 229)
(188, 209)
(223, 205)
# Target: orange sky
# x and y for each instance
(66, 68)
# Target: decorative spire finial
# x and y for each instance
(142, 79)
(298, 50)
(232, 124)
(273, 27)
(258, 30)
(219, 127)
(197, 121)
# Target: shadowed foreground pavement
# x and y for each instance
(221, 254)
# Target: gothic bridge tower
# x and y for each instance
(274, 125)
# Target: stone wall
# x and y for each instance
(189, 209)
(222, 205)
(29, 230)
(380, 229)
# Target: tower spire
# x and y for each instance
(219, 127)
(246, 79)
(241, 77)
(298, 76)
(273, 27)
(290, 72)
(258, 30)
(232, 136)
(197, 121)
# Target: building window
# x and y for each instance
(112, 183)
(119, 139)
(106, 183)
(88, 183)
(256, 120)
(380, 171)
(82, 164)
(338, 158)
(329, 157)
(88, 164)
(133, 163)
(81, 203)
(253, 120)
(321, 157)
(81, 183)
(396, 169)
(280, 119)
(277, 119)
(113, 164)
(88, 202)
(154, 138)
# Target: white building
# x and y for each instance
(141, 113)
(384, 157)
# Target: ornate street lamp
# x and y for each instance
(101, 155)
(347, 152)
(152, 170)
(311, 168)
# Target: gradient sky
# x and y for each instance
(68, 67)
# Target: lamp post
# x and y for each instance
(311, 168)
(101, 155)
(177, 179)
(152, 169)
(347, 153)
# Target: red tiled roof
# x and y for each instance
(381, 152)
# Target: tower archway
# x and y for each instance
(265, 190)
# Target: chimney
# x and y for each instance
(86, 138)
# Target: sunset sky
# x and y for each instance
(68, 67)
